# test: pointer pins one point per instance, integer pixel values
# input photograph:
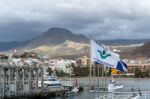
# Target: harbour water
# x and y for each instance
(130, 85)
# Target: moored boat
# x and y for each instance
(114, 86)
(51, 82)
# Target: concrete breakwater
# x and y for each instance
(40, 95)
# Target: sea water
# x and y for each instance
(130, 85)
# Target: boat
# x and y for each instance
(114, 86)
(66, 83)
(51, 82)
(70, 87)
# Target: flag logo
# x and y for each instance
(103, 54)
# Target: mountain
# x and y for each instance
(58, 42)
(143, 50)
(55, 36)
(52, 37)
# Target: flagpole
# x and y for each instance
(90, 63)
(92, 69)
(102, 78)
(94, 74)
(105, 79)
(98, 78)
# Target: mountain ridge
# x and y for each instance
(143, 50)
(61, 38)
(55, 36)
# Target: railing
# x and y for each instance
(126, 95)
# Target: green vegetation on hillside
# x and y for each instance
(141, 74)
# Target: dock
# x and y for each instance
(22, 81)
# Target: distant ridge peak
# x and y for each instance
(57, 30)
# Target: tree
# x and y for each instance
(138, 73)
(50, 71)
(81, 71)
(146, 73)
(60, 73)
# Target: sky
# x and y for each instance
(99, 19)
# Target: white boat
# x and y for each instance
(51, 82)
(113, 86)
(70, 87)
(67, 83)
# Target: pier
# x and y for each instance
(21, 80)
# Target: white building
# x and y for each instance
(62, 64)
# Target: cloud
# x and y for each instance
(103, 19)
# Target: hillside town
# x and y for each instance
(66, 66)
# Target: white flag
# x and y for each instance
(104, 56)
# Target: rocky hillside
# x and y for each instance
(58, 42)
(66, 48)
(143, 50)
